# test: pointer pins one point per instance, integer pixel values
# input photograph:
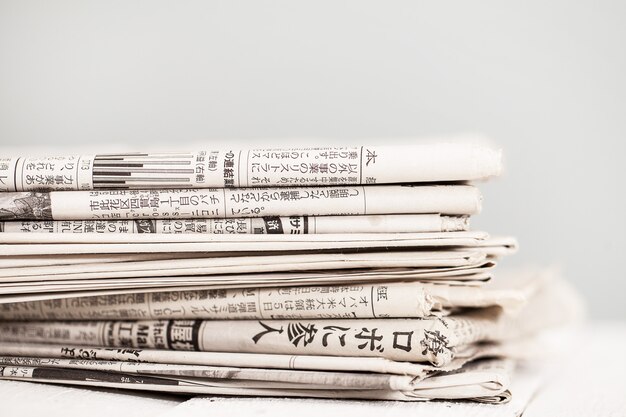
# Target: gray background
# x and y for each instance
(544, 79)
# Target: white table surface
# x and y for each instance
(591, 383)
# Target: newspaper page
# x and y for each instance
(331, 380)
(253, 167)
(357, 300)
(465, 273)
(228, 246)
(466, 376)
(223, 203)
(449, 238)
(349, 301)
(240, 242)
(221, 359)
(486, 380)
(470, 274)
(431, 340)
(417, 371)
(181, 251)
(247, 264)
(16, 291)
(401, 223)
(414, 340)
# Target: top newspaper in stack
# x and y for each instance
(254, 167)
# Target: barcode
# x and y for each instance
(142, 170)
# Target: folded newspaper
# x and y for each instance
(336, 272)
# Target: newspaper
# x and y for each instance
(357, 300)
(331, 380)
(485, 379)
(470, 274)
(94, 355)
(524, 387)
(12, 292)
(432, 340)
(21, 244)
(343, 378)
(223, 203)
(247, 264)
(24, 261)
(17, 244)
(228, 360)
(27, 293)
(449, 238)
(415, 340)
(252, 167)
(400, 223)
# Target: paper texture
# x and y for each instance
(252, 167)
(432, 340)
(224, 203)
(58, 289)
(218, 245)
(485, 381)
(359, 300)
(252, 264)
(397, 339)
(402, 223)
(461, 238)
(265, 361)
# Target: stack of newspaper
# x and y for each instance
(306, 272)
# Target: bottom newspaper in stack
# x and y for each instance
(409, 341)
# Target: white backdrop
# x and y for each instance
(545, 80)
